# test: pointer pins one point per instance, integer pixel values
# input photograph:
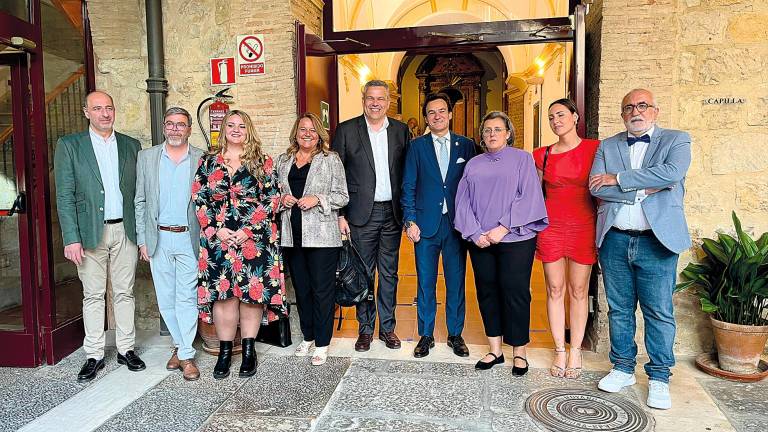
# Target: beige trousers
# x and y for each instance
(117, 256)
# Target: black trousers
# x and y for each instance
(378, 242)
(503, 283)
(313, 272)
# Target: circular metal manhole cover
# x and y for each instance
(572, 410)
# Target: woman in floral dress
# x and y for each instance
(240, 273)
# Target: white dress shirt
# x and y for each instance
(380, 146)
(436, 144)
(632, 217)
(109, 168)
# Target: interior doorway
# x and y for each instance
(541, 60)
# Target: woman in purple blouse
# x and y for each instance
(500, 209)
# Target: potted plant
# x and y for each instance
(731, 281)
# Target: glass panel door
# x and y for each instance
(11, 311)
(18, 318)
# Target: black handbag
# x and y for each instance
(278, 332)
(354, 281)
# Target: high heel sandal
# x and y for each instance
(303, 348)
(575, 372)
(555, 370)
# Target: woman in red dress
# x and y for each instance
(567, 245)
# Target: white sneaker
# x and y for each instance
(658, 395)
(615, 381)
(303, 348)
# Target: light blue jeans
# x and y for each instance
(174, 272)
(639, 269)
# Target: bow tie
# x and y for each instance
(645, 138)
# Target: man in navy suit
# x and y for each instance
(434, 165)
(639, 176)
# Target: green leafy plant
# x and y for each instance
(731, 281)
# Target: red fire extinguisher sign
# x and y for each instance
(222, 71)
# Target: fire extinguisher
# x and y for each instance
(216, 112)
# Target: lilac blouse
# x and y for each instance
(500, 188)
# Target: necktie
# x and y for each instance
(444, 156)
(631, 140)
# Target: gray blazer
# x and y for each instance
(664, 167)
(326, 180)
(148, 195)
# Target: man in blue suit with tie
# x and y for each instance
(639, 176)
(434, 165)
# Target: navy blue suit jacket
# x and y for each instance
(423, 186)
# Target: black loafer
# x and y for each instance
(131, 360)
(422, 348)
(520, 371)
(458, 345)
(481, 365)
(88, 372)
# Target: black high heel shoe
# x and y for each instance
(520, 371)
(481, 365)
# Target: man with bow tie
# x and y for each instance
(639, 176)
(434, 165)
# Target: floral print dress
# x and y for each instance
(253, 271)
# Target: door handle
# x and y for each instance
(19, 205)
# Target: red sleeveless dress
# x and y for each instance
(570, 207)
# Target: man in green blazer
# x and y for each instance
(95, 187)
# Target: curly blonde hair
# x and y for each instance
(322, 141)
(252, 157)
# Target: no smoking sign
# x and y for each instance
(250, 55)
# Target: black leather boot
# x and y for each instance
(248, 368)
(221, 370)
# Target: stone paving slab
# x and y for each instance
(426, 396)
(23, 388)
(745, 404)
(229, 423)
(340, 422)
(287, 387)
(166, 410)
(25, 398)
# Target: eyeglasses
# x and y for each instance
(172, 125)
(641, 107)
(497, 131)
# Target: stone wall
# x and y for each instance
(194, 32)
(686, 52)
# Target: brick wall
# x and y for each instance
(194, 32)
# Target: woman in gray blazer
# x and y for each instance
(313, 188)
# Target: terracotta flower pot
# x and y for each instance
(211, 342)
(739, 346)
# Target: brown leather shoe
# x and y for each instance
(363, 342)
(173, 362)
(390, 339)
(189, 369)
